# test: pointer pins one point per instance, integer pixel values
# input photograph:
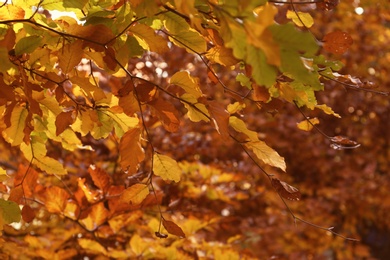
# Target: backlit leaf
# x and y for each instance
(184, 80)
(300, 17)
(63, 121)
(70, 56)
(266, 154)
(100, 177)
(148, 39)
(167, 114)
(173, 228)
(307, 126)
(130, 150)
(92, 246)
(285, 190)
(191, 40)
(337, 42)
(220, 117)
(196, 111)
(240, 126)
(343, 142)
(27, 44)
(56, 199)
(135, 194)
(10, 12)
(14, 134)
(165, 167)
(3, 175)
(97, 215)
(328, 110)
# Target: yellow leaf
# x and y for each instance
(138, 245)
(3, 175)
(96, 217)
(300, 17)
(135, 194)
(266, 154)
(130, 150)
(197, 111)
(11, 12)
(165, 167)
(184, 80)
(327, 110)
(14, 134)
(56, 199)
(191, 40)
(92, 246)
(148, 39)
(306, 126)
(240, 126)
(70, 56)
(221, 55)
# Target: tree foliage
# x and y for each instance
(139, 128)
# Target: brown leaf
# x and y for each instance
(220, 117)
(109, 58)
(173, 228)
(27, 177)
(100, 178)
(130, 150)
(167, 114)
(28, 213)
(337, 42)
(260, 93)
(146, 92)
(342, 142)
(285, 190)
(327, 5)
(63, 121)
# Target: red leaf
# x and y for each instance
(28, 214)
(173, 228)
(285, 190)
(337, 42)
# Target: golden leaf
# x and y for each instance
(165, 167)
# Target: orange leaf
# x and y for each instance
(97, 215)
(56, 199)
(167, 114)
(342, 142)
(26, 177)
(337, 42)
(130, 150)
(110, 59)
(173, 228)
(70, 56)
(146, 92)
(285, 190)
(100, 178)
(28, 213)
(63, 121)
(90, 195)
(220, 117)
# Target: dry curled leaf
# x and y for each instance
(337, 42)
(341, 142)
(285, 190)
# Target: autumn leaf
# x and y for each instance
(184, 80)
(14, 134)
(63, 121)
(300, 17)
(285, 190)
(130, 150)
(56, 199)
(100, 178)
(342, 142)
(97, 215)
(70, 56)
(173, 228)
(220, 118)
(167, 114)
(165, 167)
(135, 194)
(337, 42)
(9, 212)
(307, 125)
(92, 246)
(266, 154)
(28, 214)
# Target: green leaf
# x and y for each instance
(9, 212)
(27, 44)
(263, 73)
(165, 167)
(191, 40)
(244, 80)
(266, 154)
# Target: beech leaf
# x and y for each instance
(173, 228)
(135, 194)
(285, 190)
(130, 150)
(305, 125)
(100, 177)
(165, 167)
(56, 199)
(28, 213)
(337, 42)
(266, 154)
(341, 142)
